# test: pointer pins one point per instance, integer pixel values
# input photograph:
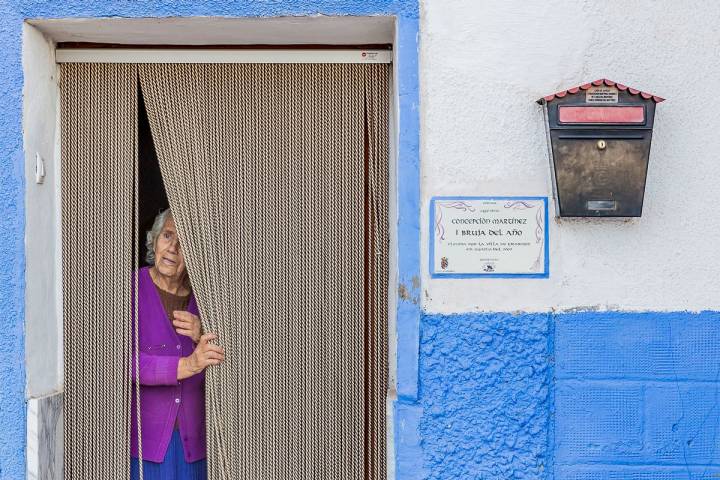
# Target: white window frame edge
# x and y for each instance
(171, 55)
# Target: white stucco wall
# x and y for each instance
(483, 65)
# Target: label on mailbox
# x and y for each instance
(489, 237)
(601, 94)
(601, 114)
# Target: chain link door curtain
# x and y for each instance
(98, 172)
(277, 178)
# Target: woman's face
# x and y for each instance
(169, 259)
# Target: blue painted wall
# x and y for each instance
(12, 262)
(583, 396)
(13, 13)
(637, 396)
(485, 382)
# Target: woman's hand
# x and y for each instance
(205, 354)
(187, 324)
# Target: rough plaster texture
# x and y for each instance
(637, 390)
(12, 261)
(483, 65)
(485, 392)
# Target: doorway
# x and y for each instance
(277, 175)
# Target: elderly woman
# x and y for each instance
(172, 359)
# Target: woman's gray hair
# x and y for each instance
(154, 233)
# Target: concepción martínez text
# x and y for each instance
(493, 221)
(514, 232)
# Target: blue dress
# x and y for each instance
(173, 467)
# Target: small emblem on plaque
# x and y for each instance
(443, 263)
(488, 268)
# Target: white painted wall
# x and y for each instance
(483, 65)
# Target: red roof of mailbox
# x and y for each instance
(597, 83)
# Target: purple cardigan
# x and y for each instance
(162, 396)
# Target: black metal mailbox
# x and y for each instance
(599, 141)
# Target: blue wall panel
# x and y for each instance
(598, 421)
(621, 472)
(637, 390)
(661, 346)
(485, 390)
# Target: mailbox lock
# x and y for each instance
(601, 145)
